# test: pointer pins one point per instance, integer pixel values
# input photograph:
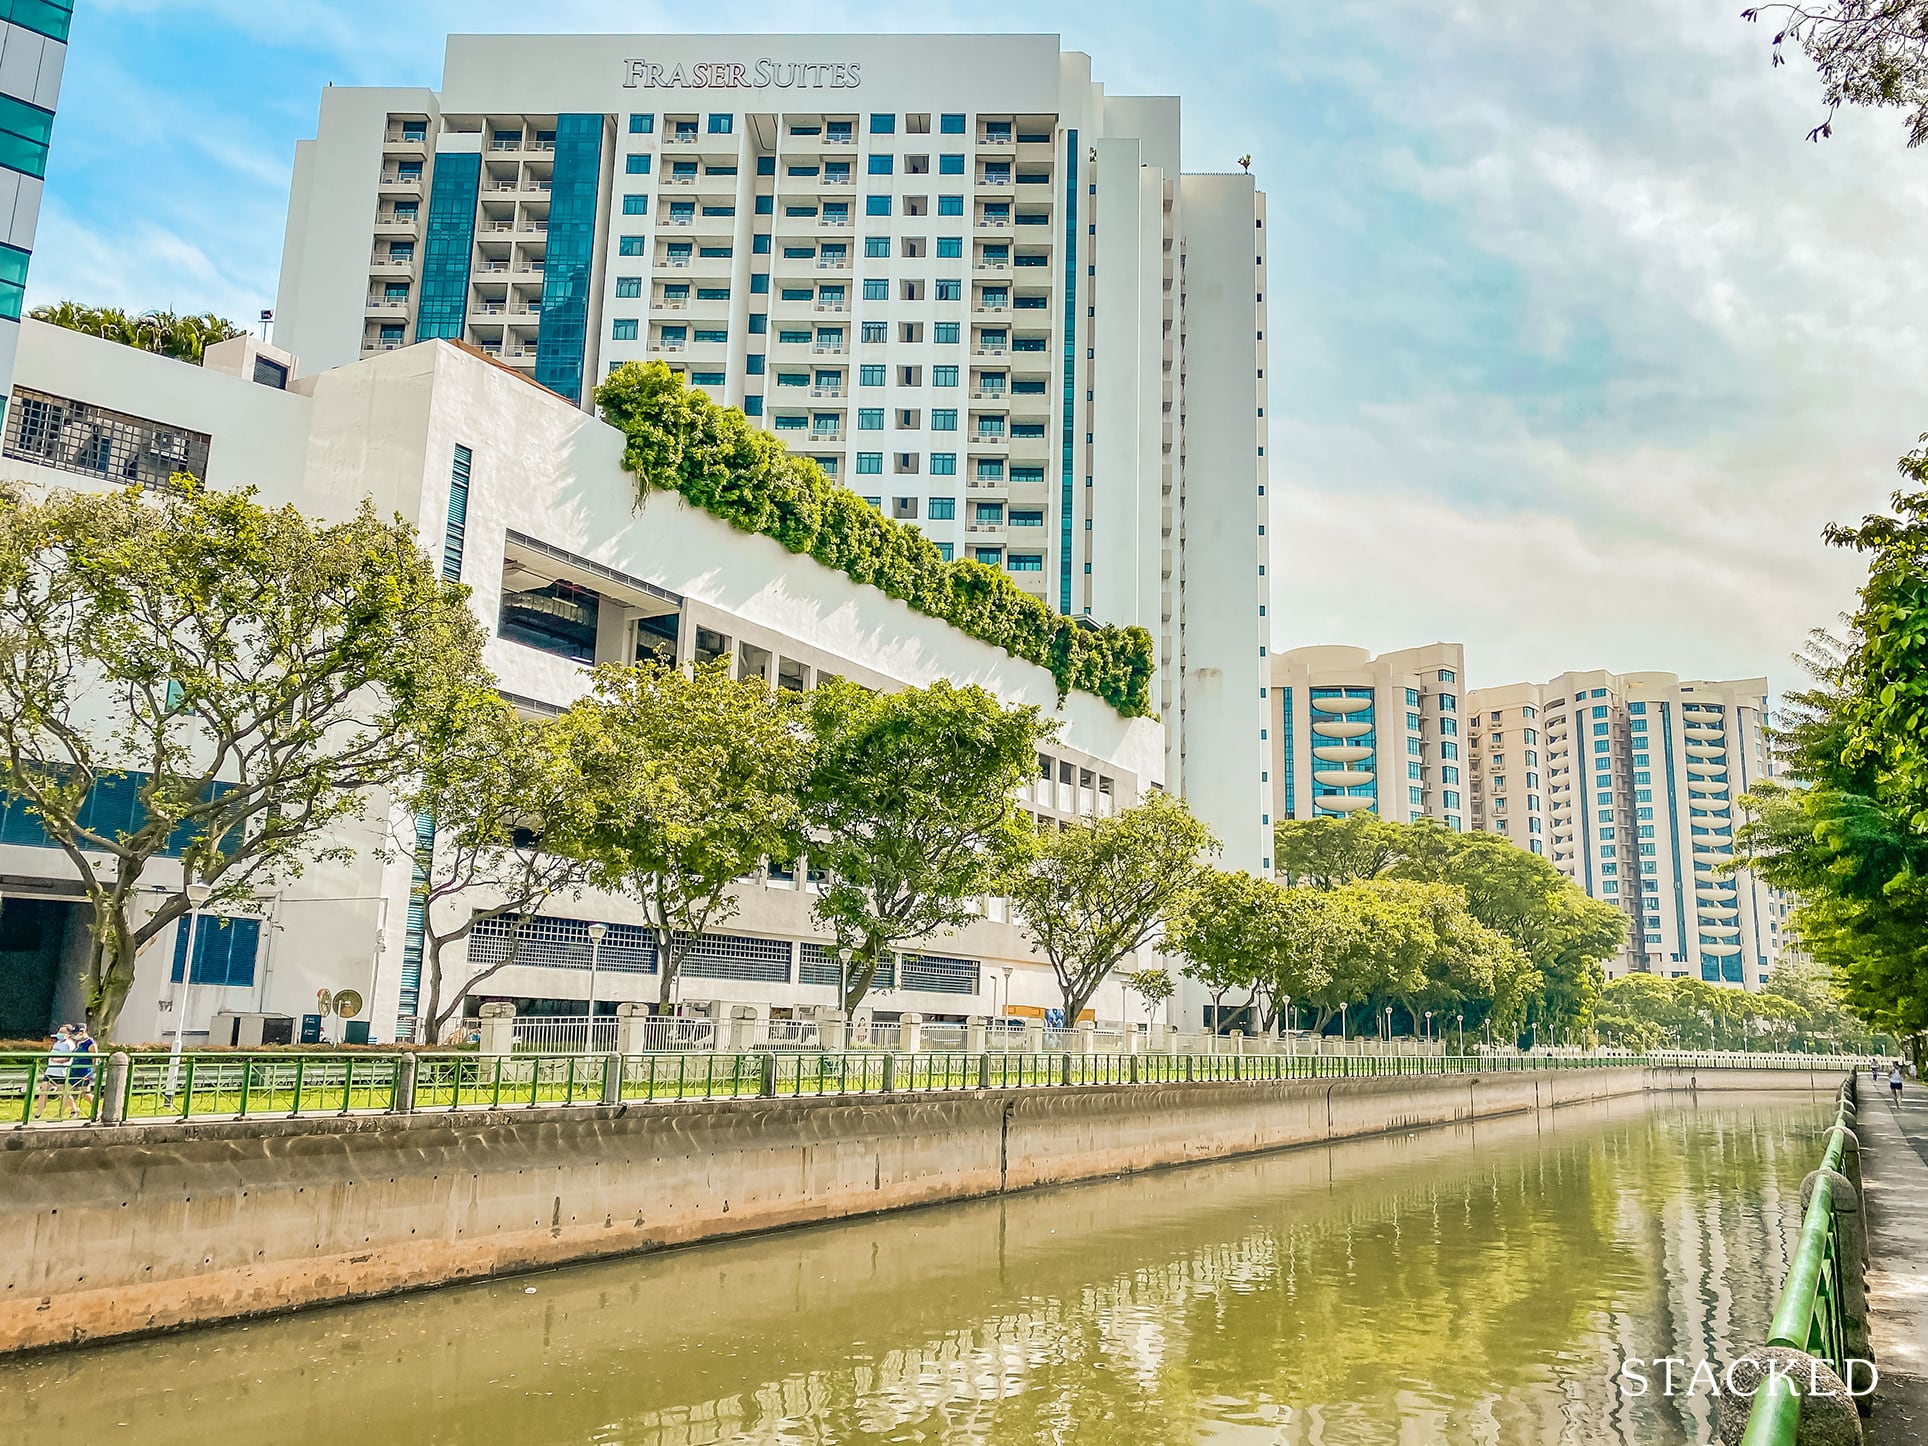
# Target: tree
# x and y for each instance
(1102, 888)
(1228, 932)
(1323, 852)
(691, 780)
(166, 333)
(1152, 986)
(911, 805)
(505, 804)
(202, 678)
(1868, 53)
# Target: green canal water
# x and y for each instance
(1470, 1285)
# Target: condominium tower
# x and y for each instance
(33, 51)
(1628, 783)
(973, 286)
(1351, 732)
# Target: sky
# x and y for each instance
(1576, 341)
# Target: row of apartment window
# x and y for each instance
(635, 203)
(843, 129)
(830, 253)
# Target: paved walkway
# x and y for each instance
(1894, 1169)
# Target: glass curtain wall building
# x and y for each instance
(971, 284)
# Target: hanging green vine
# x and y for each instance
(679, 440)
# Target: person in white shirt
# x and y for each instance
(53, 1082)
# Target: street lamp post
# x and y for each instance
(1386, 1035)
(1343, 1005)
(197, 895)
(1462, 1034)
(843, 974)
(1007, 989)
(596, 932)
(1429, 1027)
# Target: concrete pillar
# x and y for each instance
(1161, 1038)
(405, 1068)
(612, 1079)
(910, 1038)
(832, 1031)
(632, 1028)
(1086, 1035)
(1034, 1036)
(113, 1090)
(498, 1029)
(975, 1030)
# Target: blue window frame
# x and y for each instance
(950, 248)
(882, 165)
(455, 533)
(870, 464)
(24, 132)
(876, 206)
(877, 245)
(880, 125)
(642, 125)
(636, 164)
(951, 125)
(722, 125)
(13, 281)
(950, 165)
(623, 328)
(635, 205)
(630, 246)
(224, 950)
(943, 464)
(950, 205)
(943, 509)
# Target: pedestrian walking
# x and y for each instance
(53, 1080)
(1874, 1071)
(80, 1071)
(1894, 1081)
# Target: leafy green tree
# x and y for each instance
(1152, 986)
(1321, 853)
(247, 674)
(1867, 52)
(1228, 930)
(166, 333)
(912, 810)
(506, 805)
(1103, 888)
(690, 781)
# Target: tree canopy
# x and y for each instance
(690, 780)
(1550, 975)
(199, 677)
(1099, 889)
(912, 809)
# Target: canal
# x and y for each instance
(1478, 1284)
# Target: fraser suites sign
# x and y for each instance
(764, 74)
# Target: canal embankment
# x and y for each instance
(141, 1228)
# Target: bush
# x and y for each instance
(679, 440)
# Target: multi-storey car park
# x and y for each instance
(976, 288)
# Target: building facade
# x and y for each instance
(1629, 784)
(974, 287)
(33, 52)
(1353, 732)
(522, 497)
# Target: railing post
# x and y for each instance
(113, 1091)
(984, 1071)
(612, 1079)
(767, 1080)
(404, 1100)
(890, 1073)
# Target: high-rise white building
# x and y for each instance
(973, 286)
(1350, 731)
(1628, 783)
(33, 51)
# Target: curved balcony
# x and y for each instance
(1342, 778)
(1340, 752)
(1340, 728)
(1342, 802)
(1340, 705)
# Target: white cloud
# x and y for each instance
(1735, 311)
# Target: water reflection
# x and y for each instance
(1474, 1285)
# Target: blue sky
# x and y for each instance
(1576, 342)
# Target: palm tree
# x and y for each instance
(165, 333)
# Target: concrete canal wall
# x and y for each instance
(143, 1228)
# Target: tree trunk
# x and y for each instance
(109, 979)
(668, 965)
(862, 973)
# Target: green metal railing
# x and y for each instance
(207, 1084)
(1810, 1314)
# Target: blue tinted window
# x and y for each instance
(24, 132)
(563, 333)
(883, 125)
(636, 165)
(641, 125)
(447, 246)
(224, 950)
(951, 125)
